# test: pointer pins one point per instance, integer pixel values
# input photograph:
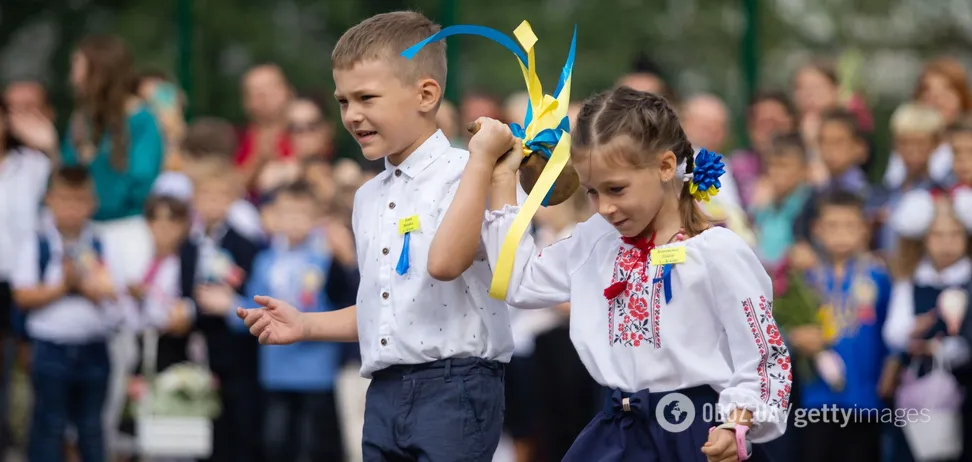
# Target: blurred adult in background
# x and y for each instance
(944, 86)
(266, 96)
(23, 181)
(769, 114)
(646, 75)
(115, 135)
(476, 104)
(311, 135)
(815, 90)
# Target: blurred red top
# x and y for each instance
(248, 145)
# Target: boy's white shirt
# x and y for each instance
(23, 181)
(414, 318)
(717, 330)
(72, 319)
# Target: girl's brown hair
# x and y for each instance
(651, 126)
(108, 84)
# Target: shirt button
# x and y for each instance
(384, 251)
(384, 295)
(384, 342)
(391, 205)
(398, 172)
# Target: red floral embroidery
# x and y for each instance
(639, 319)
(774, 369)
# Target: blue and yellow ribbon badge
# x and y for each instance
(545, 131)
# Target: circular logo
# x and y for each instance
(675, 412)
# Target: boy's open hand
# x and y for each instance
(276, 323)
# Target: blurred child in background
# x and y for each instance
(777, 208)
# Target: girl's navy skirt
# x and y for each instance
(628, 428)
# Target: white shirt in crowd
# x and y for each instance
(939, 167)
(718, 329)
(413, 318)
(23, 182)
(901, 310)
(72, 319)
(243, 215)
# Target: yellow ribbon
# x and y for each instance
(547, 113)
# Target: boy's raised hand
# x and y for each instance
(491, 138)
(276, 323)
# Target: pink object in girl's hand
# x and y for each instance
(952, 304)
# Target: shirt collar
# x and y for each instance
(423, 156)
(954, 276)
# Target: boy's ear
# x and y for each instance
(430, 94)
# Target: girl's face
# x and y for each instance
(937, 92)
(167, 230)
(626, 196)
(79, 71)
(947, 239)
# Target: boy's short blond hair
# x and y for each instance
(385, 36)
(214, 169)
(916, 119)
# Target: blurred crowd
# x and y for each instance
(187, 214)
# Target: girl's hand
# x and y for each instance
(721, 446)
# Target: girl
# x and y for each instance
(932, 265)
(672, 314)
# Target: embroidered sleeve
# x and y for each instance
(901, 316)
(743, 298)
(540, 278)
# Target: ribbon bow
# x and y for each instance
(545, 130)
(622, 404)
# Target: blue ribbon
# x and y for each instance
(543, 144)
(666, 280)
(482, 31)
(402, 266)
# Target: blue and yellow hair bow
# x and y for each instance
(545, 131)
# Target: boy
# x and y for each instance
(206, 139)
(299, 378)
(432, 341)
(216, 256)
(960, 140)
(73, 304)
(917, 131)
(847, 346)
(774, 216)
(843, 149)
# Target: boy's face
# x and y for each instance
(786, 171)
(71, 206)
(295, 215)
(839, 149)
(383, 113)
(167, 230)
(841, 230)
(915, 150)
(962, 157)
(213, 197)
